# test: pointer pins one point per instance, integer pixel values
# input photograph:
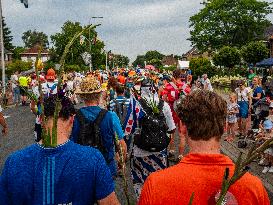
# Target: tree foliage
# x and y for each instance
(61, 39)
(18, 65)
(120, 61)
(229, 23)
(227, 57)
(140, 61)
(254, 52)
(31, 38)
(16, 52)
(200, 66)
(7, 36)
(151, 57)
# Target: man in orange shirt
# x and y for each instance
(201, 171)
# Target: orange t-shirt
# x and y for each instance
(203, 175)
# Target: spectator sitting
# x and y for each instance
(201, 171)
(66, 174)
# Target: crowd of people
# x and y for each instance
(133, 115)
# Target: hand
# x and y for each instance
(5, 131)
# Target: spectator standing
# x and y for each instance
(244, 102)
(23, 84)
(15, 88)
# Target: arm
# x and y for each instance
(4, 124)
(111, 199)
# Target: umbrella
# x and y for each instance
(150, 67)
(265, 62)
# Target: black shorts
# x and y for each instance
(23, 90)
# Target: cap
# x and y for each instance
(268, 125)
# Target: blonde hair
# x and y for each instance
(233, 95)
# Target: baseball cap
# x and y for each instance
(268, 125)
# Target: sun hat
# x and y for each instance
(89, 85)
(268, 125)
(50, 75)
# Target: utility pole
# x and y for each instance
(106, 61)
(2, 51)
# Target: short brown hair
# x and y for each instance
(204, 114)
(94, 97)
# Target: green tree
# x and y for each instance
(7, 36)
(16, 52)
(155, 62)
(229, 23)
(227, 57)
(200, 66)
(74, 57)
(150, 55)
(18, 65)
(31, 38)
(254, 52)
(121, 61)
(139, 61)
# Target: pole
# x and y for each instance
(106, 63)
(90, 41)
(2, 50)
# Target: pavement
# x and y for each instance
(21, 126)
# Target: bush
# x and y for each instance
(18, 65)
(200, 66)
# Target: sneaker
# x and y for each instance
(270, 169)
(265, 170)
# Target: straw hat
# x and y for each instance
(89, 85)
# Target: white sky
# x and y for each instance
(129, 27)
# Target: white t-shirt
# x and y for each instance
(242, 95)
(208, 84)
(49, 88)
(14, 81)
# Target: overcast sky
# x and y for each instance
(129, 27)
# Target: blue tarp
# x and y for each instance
(265, 62)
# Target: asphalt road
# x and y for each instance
(21, 125)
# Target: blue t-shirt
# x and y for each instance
(68, 174)
(255, 93)
(108, 127)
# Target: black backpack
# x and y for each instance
(121, 110)
(90, 134)
(153, 135)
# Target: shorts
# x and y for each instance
(23, 90)
(243, 110)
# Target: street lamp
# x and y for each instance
(91, 61)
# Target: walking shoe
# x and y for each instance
(270, 169)
(266, 169)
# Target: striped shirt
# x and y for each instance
(120, 100)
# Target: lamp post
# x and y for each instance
(91, 60)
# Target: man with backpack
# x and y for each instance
(120, 104)
(150, 120)
(96, 127)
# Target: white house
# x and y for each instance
(31, 54)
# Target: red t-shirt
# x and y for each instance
(203, 175)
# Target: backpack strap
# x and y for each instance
(160, 105)
(81, 117)
(100, 116)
